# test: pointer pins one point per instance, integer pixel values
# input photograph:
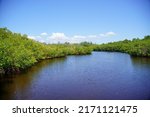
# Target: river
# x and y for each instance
(99, 76)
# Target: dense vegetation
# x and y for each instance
(19, 52)
(135, 47)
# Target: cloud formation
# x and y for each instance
(32, 37)
(58, 36)
(107, 34)
(44, 34)
(79, 37)
(62, 38)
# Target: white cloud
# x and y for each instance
(62, 38)
(32, 37)
(79, 37)
(92, 36)
(110, 34)
(38, 37)
(107, 34)
(58, 36)
(44, 34)
(102, 35)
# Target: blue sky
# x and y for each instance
(98, 21)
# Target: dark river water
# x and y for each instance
(101, 75)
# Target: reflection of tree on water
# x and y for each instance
(71, 78)
(11, 84)
(141, 61)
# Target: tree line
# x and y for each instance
(18, 52)
(134, 47)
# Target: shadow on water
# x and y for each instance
(102, 75)
(10, 84)
(140, 61)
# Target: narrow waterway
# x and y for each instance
(101, 75)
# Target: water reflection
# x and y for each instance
(10, 85)
(140, 61)
(102, 75)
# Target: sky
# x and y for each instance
(75, 21)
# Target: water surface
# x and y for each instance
(102, 75)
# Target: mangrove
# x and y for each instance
(18, 52)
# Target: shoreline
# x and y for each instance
(10, 71)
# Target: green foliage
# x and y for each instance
(136, 47)
(19, 52)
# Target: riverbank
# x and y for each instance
(134, 47)
(18, 52)
(94, 76)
